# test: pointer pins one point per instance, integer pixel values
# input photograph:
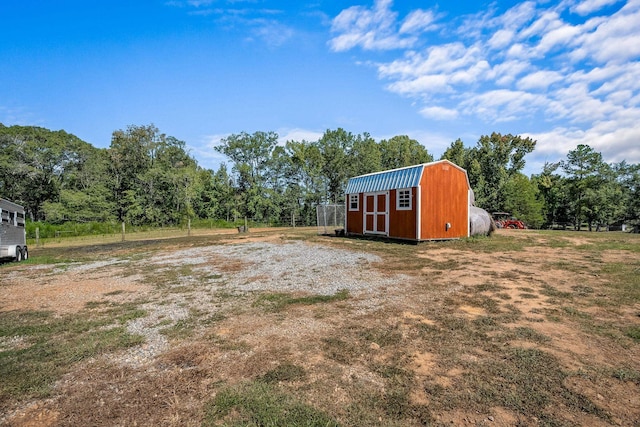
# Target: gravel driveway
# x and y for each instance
(295, 267)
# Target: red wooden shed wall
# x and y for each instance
(355, 218)
(444, 199)
(402, 224)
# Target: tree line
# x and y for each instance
(148, 178)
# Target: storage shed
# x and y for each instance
(423, 202)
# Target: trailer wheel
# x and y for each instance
(25, 254)
(18, 254)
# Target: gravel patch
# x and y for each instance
(13, 343)
(295, 267)
(288, 267)
(150, 328)
(81, 267)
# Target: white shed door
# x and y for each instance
(376, 213)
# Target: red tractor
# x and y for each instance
(505, 220)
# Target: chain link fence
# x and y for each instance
(330, 218)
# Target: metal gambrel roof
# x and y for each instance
(386, 180)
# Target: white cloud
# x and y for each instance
(439, 113)
(472, 74)
(297, 134)
(554, 64)
(589, 6)
(620, 97)
(558, 38)
(547, 21)
(519, 52)
(418, 20)
(257, 24)
(616, 144)
(377, 28)
(507, 72)
(444, 59)
(618, 80)
(517, 16)
(614, 40)
(501, 39)
(539, 80)
(272, 33)
(367, 28)
(503, 105)
(205, 152)
(423, 85)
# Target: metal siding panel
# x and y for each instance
(384, 181)
(405, 180)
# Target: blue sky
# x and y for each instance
(562, 72)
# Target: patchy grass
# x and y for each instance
(341, 350)
(285, 372)
(495, 243)
(525, 381)
(186, 328)
(526, 334)
(51, 345)
(552, 292)
(623, 284)
(626, 374)
(448, 265)
(489, 287)
(527, 295)
(633, 332)
(428, 350)
(261, 404)
(279, 301)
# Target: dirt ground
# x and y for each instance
(552, 287)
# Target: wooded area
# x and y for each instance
(148, 178)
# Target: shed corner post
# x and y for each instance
(418, 208)
(469, 201)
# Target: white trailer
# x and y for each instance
(13, 236)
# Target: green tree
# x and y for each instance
(401, 151)
(457, 153)
(252, 156)
(305, 177)
(226, 202)
(492, 162)
(154, 178)
(629, 178)
(523, 200)
(583, 167)
(365, 156)
(334, 147)
(605, 201)
(37, 163)
(553, 189)
(130, 155)
(205, 204)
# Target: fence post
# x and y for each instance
(123, 231)
(324, 211)
(37, 236)
(189, 227)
